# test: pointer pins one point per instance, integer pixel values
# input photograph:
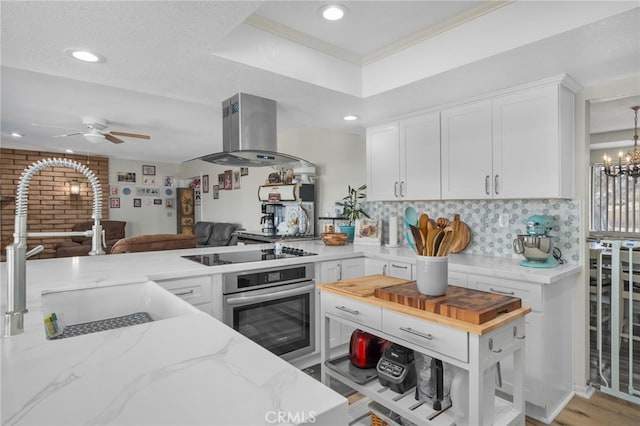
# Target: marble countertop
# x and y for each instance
(165, 372)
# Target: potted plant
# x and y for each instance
(352, 209)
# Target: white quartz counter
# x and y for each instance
(185, 370)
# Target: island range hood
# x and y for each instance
(249, 136)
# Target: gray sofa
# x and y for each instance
(210, 234)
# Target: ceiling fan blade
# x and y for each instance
(130, 135)
(53, 127)
(112, 138)
(67, 134)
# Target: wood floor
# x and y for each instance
(600, 410)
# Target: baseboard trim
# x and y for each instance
(584, 391)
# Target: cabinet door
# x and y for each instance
(466, 151)
(400, 270)
(352, 268)
(329, 272)
(420, 157)
(375, 267)
(383, 165)
(526, 145)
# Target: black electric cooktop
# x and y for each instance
(247, 256)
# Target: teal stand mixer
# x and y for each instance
(536, 245)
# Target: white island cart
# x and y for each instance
(471, 347)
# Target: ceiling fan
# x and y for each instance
(97, 131)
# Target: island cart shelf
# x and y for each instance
(474, 348)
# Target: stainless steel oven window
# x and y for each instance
(281, 319)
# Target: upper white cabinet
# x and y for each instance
(403, 159)
(466, 151)
(515, 145)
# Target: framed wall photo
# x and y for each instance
(228, 180)
(149, 180)
(157, 201)
(129, 177)
(114, 202)
(168, 203)
(216, 192)
(137, 202)
(221, 181)
(236, 179)
(205, 184)
(368, 232)
(149, 170)
(244, 171)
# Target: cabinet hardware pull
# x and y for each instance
(347, 310)
(184, 293)
(510, 293)
(417, 333)
(384, 269)
(395, 189)
(401, 186)
(486, 184)
(515, 334)
(495, 184)
(491, 347)
(399, 266)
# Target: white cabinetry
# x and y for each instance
(475, 353)
(390, 268)
(515, 145)
(466, 151)
(338, 270)
(403, 159)
(548, 384)
(194, 290)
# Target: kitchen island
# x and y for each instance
(184, 370)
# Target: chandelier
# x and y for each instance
(631, 166)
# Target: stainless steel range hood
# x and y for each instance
(249, 136)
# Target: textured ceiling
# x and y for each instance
(163, 79)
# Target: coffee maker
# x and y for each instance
(270, 213)
(536, 245)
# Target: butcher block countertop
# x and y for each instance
(364, 288)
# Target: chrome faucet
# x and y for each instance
(17, 251)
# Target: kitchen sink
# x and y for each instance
(95, 309)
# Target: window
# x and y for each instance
(615, 204)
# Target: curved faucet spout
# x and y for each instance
(17, 251)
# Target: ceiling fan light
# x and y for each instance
(94, 138)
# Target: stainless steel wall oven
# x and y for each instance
(273, 307)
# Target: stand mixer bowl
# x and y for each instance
(534, 248)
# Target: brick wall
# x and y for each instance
(50, 206)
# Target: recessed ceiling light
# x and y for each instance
(350, 117)
(85, 55)
(15, 135)
(333, 12)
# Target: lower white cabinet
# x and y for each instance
(391, 268)
(548, 381)
(337, 270)
(194, 290)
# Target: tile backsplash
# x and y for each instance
(488, 238)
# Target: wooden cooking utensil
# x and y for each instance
(417, 237)
(423, 220)
(442, 222)
(431, 236)
(437, 242)
(445, 244)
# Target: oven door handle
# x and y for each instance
(242, 300)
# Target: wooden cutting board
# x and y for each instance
(472, 306)
(364, 286)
